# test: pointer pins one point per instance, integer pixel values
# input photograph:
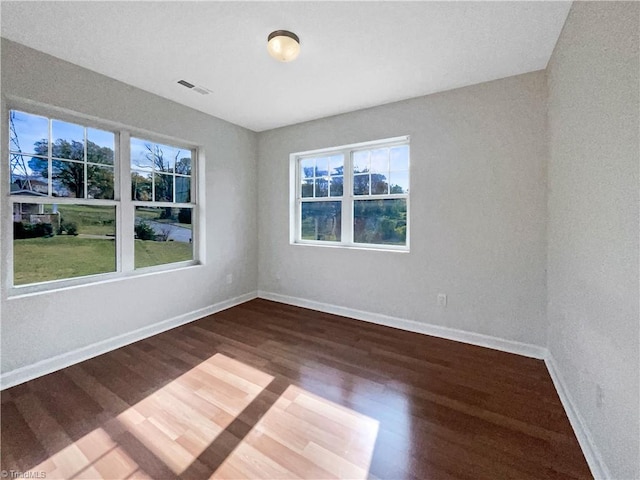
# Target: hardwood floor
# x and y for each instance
(266, 390)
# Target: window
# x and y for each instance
(356, 195)
(69, 207)
(161, 191)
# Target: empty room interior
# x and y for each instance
(386, 240)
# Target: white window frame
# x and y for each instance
(124, 205)
(348, 198)
(193, 204)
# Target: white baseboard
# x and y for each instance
(49, 365)
(592, 454)
(511, 346)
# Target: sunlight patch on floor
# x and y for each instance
(304, 436)
(176, 423)
(301, 435)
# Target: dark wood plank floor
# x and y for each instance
(443, 410)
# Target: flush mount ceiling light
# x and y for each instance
(283, 45)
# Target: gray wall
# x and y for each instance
(478, 212)
(44, 325)
(593, 222)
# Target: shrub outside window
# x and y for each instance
(355, 195)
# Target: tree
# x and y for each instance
(140, 187)
(321, 220)
(163, 183)
(71, 174)
(184, 215)
(380, 221)
(163, 178)
(183, 166)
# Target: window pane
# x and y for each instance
(399, 182)
(379, 185)
(67, 140)
(400, 158)
(321, 221)
(380, 221)
(100, 146)
(28, 133)
(169, 168)
(307, 167)
(336, 186)
(141, 155)
(89, 219)
(169, 155)
(361, 184)
(336, 165)
(380, 160)
(29, 175)
(100, 182)
(361, 161)
(307, 188)
(68, 179)
(183, 189)
(163, 235)
(162, 158)
(141, 186)
(322, 167)
(322, 187)
(164, 188)
(183, 164)
(52, 242)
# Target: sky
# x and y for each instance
(33, 128)
(392, 162)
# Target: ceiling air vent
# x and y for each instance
(186, 84)
(195, 88)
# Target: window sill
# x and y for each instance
(366, 247)
(54, 286)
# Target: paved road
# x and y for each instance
(176, 232)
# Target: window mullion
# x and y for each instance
(295, 203)
(126, 215)
(85, 166)
(296, 225)
(50, 160)
(153, 181)
(313, 180)
(347, 199)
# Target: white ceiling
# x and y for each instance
(353, 54)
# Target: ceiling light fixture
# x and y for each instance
(283, 45)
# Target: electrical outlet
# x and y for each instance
(599, 396)
(229, 278)
(442, 300)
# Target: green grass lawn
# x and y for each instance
(43, 259)
(62, 256)
(148, 213)
(150, 253)
(93, 220)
